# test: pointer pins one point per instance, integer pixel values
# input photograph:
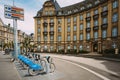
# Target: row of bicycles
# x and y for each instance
(36, 64)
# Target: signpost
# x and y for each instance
(15, 13)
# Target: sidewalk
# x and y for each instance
(7, 69)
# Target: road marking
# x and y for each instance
(91, 71)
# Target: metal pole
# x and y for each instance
(15, 38)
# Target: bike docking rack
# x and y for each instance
(37, 64)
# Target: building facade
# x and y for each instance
(7, 36)
(88, 25)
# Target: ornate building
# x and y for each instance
(88, 25)
(7, 36)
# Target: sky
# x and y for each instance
(30, 10)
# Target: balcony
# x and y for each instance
(104, 13)
(45, 32)
(88, 29)
(96, 16)
(104, 26)
(45, 24)
(95, 28)
(88, 18)
(51, 32)
(51, 23)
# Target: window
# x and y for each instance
(68, 20)
(38, 38)
(75, 38)
(105, 8)
(51, 38)
(88, 14)
(59, 29)
(96, 11)
(81, 36)
(59, 47)
(104, 33)
(38, 21)
(114, 32)
(59, 21)
(51, 20)
(46, 12)
(115, 17)
(45, 38)
(75, 47)
(45, 28)
(95, 35)
(75, 19)
(81, 26)
(104, 20)
(89, 5)
(96, 23)
(50, 12)
(59, 13)
(115, 4)
(68, 29)
(81, 17)
(68, 47)
(97, 2)
(88, 24)
(68, 38)
(59, 38)
(88, 36)
(51, 48)
(75, 28)
(82, 8)
(38, 30)
(51, 28)
(81, 47)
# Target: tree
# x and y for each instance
(26, 43)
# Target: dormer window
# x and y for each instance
(69, 12)
(89, 5)
(97, 2)
(75, 10)
(59, 13)
(82, 8)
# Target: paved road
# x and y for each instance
(77, 68)
(104, 69)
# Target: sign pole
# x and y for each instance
(15, 38)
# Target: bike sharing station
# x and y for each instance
(43, 63)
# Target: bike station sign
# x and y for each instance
(12, 12)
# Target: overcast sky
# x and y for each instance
(30, 9)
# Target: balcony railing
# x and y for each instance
(51, 23)
(51, 32)
(104, 13)
(88, 29)
(96, 16)
(88, 18)
(45, 32)
(104, 26)
(45, 24)
(95, 28)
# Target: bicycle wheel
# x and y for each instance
(52, 67)
(43, 64)
(32, 72)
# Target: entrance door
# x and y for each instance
(95, 47)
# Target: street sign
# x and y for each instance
(12, 12)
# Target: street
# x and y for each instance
(78, 68)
